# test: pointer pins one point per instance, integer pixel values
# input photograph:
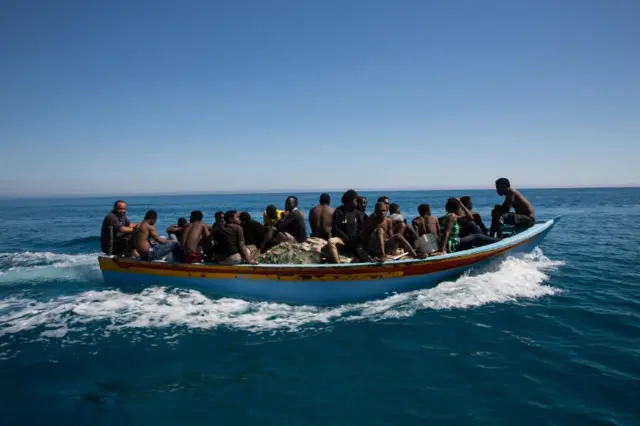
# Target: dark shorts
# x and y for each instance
(518, 220)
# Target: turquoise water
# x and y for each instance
(546, 338)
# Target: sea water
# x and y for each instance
(549, 337)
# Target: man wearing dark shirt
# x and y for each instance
(347, 223)
(116, 224)
(293, 226)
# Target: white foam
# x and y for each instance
(24, 266)
(515, 279)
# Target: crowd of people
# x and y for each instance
(236, 237)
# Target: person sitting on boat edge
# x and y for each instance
(524, 216)
(466, 225)
(145, 232)
(347, 222)
(116, 230)
(230, 247)
(196, 238)
(424, 223)
(175, 231)
(320, 218)
(378, 237)
(450, 240)
(399, 225)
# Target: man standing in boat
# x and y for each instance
(524, 216)
(116, 230)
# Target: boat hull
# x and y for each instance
(316, 284)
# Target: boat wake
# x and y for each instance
(21, 267)
(514, 279)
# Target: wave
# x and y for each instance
(26, 266)
(93, 241)
(157, 307)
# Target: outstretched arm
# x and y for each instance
(153, 234)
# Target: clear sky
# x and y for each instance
(152, 96)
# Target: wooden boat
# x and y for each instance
(323, 284)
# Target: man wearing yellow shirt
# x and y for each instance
(272, 215)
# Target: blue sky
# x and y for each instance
(125, 97)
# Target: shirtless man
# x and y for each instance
(524, 216)
(195, 235)
(145, 232)
(378, 237)
(320, 218)
(425, 223)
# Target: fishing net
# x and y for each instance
(312, 251)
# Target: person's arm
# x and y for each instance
(128, 226)
(466, 211)
(446, 234)
(383, 255)
(508, 202)
(153, 234)
(242, 246)
(433, 226)
(173, 229)
(337, 225)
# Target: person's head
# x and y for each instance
(502, 186)
(325, 198)
(196, 216)
(384, 199)
(424, 210)
(394, 208)
(232, 217)
(362, 203)
(452, 205)
(272, 211)
(291, 203)
(350, 199)
(466, 201)
(219, 217)
(151, 216)
(380, 210)
(244, 217)
(119, 208)
(182, 221)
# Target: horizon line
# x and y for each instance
(303, 191)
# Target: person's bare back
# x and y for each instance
(520, 204)
(321, 221)
(195, 233)
(141, 235)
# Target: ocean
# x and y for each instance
(547, 338)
